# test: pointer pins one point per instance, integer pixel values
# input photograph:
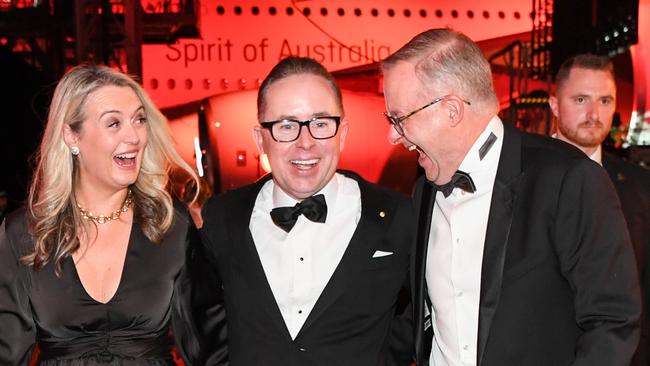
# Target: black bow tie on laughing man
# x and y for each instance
(460, 180)
(314, 208)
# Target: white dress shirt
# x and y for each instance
(455, 256)
(597, 155)
(299, 264)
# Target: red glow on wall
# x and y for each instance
(241, 41)
(640, 118)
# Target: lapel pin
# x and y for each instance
(382, 214)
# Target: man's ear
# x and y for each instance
(258, 138)
(343, 130)
(455, 109)
(70, 137)
(552, 102)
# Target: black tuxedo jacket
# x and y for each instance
(558, 280)
(354, 318)
(633, 187)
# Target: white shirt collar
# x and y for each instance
(472, 162)
(282, 199)
(597, 155)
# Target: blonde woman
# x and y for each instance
(94, 267)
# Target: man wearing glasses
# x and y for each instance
(312, 260)
(522, 256)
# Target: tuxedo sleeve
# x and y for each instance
(199, 319)
(401, 341)
(17, 330)
(208, 303)
(596, 257)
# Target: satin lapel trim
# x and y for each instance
(368, 233)
(425, 201)
(245, 249)
(498, 230)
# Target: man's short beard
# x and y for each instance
(576, 137)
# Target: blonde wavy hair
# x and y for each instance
(53, 218)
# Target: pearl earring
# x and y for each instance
(74, 150)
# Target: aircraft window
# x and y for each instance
(407, 13)
(171, 83)
(323, 11)
(153, 83)
(486, 14)
(188, 84)
(272, 10)
(374, 12)
(517, 15)
(340, 11)
(439, 13)
(423, 13)
(289, 10)
(454, 14)
(255, 10)
(502, 15)
(357, 12)
(391, 12)
(220, 10)
(238, 10)
(306, 11)
(206, 84)
(470, 14)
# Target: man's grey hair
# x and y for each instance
(448, 59)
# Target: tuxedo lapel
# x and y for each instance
(498, 229)
(424, 202)
(370, 231)
(245, 250)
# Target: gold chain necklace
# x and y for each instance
(87, 215)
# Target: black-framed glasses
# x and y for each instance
(287, 130)
(396, 122)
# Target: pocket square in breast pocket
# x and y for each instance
(381, 253)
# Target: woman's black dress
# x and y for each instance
(72, 328)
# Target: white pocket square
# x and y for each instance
(381, 253)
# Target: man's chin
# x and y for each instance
(431, 172)
(590, 140)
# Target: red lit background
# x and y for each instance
(215, 76)
(241, 41)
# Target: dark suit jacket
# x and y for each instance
(633, 187)
(558, 282)
(352, 319)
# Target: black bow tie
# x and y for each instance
(314, 208)
(460, 179)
